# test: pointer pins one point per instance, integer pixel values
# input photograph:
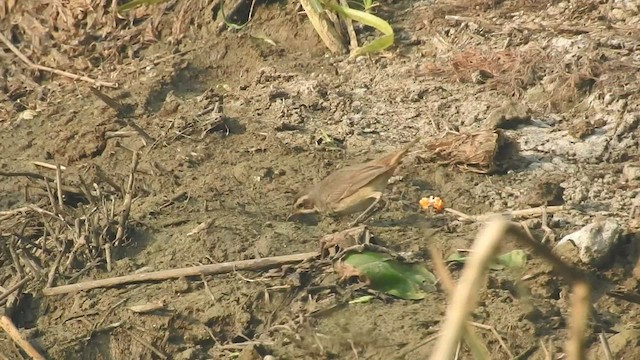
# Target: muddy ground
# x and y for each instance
(567, 71)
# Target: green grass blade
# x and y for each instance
(376, 45)
(363, 18)
(368, 19)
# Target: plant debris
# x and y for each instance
(387, 273)
(483, 152)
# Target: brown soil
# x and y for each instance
(242, 173)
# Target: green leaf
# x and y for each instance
(229, 23)
(368, 19)
(135, 3)
(361, 299)
(384, 273)
(515, 259)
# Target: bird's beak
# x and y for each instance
(297, 212)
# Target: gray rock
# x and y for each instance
(594, 243)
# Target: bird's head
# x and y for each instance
(304, 204)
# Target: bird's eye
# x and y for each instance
(300, 205)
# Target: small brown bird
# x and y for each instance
(351, 189)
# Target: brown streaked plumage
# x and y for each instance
(351, 189)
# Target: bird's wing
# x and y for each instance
(345, 182)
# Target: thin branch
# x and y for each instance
(13, 289)
(511, 213)
(605, 346)
(220, 268)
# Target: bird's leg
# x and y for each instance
(549, 235)
(367, 213)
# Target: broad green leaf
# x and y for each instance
(384, 273)
(135, 3)
(515, 259)
(368, 19)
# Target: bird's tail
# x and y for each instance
(394, 158)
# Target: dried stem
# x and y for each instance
(605, 346)
(10, 328)
(464, 298)
(52, 70)
(477, 347)
(104, 177)
(580, 308)
(512, 214)
(353, 38)
(14, 288)
(220, 268)
(32, 265)
(107, 99)
(47, 165)
(324, 27)
(128, 197)
(146, 138)
(15, 258)
(59, 185)
(54, 204)
(56, 264)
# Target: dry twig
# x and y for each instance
(512, 214)
(605, 346)
(47, 165)
(10, 328)
(220, 268)
(12, 289)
